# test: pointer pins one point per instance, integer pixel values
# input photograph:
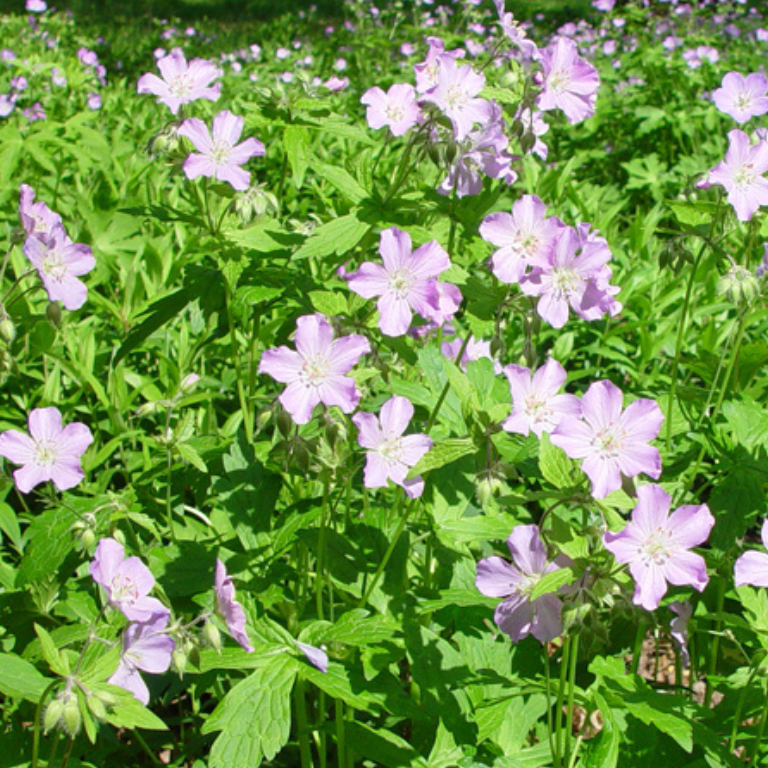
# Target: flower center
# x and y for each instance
(401, 282)
(395, 113)
(221, 152)
(538, 410)
(123, 589)
(181, 86)
(743, 102)
(565, 281)
(46, 453)
(559, 80)
(53, 265)
(391, 450)
(745, 176)
(455, 97)
(527, 243)
(657, 548)
(527, 584)
(315, 371)
(609, 442)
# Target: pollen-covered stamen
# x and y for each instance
(315, 371)
(527, 584)
(391, 450)
(54, 266)
(565, 281)
(527, 243)
(123, 589)
(221, 152)
(456, 97)
(745, 176)
(401, 282)
(46, 453)
(657, 548)
(538, 410)
(743, 102)
(181, 85)
(609, 441)
(559, 80)
(395, 113)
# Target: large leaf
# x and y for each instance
(19, 679)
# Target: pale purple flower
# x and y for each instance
(475, 349)
(656, 545)
(525, 237)
(220, 154)
(390, 454)
(762, 267)
(397, 108)
(34, 113)
(576, 275)
(36, 218)
(127, 582)
(426, 71)
(317, 371)
(7, 104)
(536, 126)
(229, 609)
(19, 83)
(603, 5)
(36, 6)
(94, 101)
(518, 615)
(60, 262)
(752, 567)
(741, 173)
(671, 42)
(678, 627)
(49, 452)
(742, 97)
(514, 32)
(761, 35)
(570, 83)
(317, 657)
(536, 405)
(455, 94)
(405, 284)
(611, 442)
(146, 648)
(336, 84)
(181, 83)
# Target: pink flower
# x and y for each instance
(231, 611)
(611, 442)
(406, 283)
(390, 454)
(570, 83)
(475, 349)
(182, 83)
(525, 238)
(752, 567)
(656, 545)
(742, 97)
(397, 108)
(59, 262)
(741, 173)
(518, 615)
(36, 218)
(536, 405)
(678, 627)
(146, 648)
(317, 657)
(51, 453)
(127, 582)
(317, 372)
(426, 71)
(221, 155)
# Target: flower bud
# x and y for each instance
(527, 141)
(284, 423)
(147, 409)
(53, 313)
(118, 536)
(7, 330)
(212, 636)
(487, 488)
(189, 383)
(739, 285)
(179, 661)
(96, 707)
(263, 418)
(53, 714)
(72, 719)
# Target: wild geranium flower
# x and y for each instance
(182, 83)
(317, 371)
(570, 83)
(678, 627)
(146, 648)
(611, 442)
(36, 218)
(59, 263)
(317, 657)
(127, 582)
(535, 125)
(742, 97)
(455, 93)
(656, 545)
(220, 154)
(741, 173)
(390, 453)
(405, 284)
(518, 615)
(515, 32)
(51, 453)
(475, 349)
(576, 275)
(525, 237)
(397, 108)
(229, 609)
(426, 71)
(752, 567)
(536, 405)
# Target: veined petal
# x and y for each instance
(496, 577)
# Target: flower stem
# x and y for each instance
(444, 393)
(574, 654)
(715, 644)
(559, 731)
(302, 727)
(740, 708)
(247, 421)
(38, 722)
(759, 734)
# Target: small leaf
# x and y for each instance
(188, 453)
(57, 661)
(551, 582)
(442, 453)
(20, 680)
(328, 303)
(556, 467)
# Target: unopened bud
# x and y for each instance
(527, 142)
(87, 538)
(739, 285)
(488, 488)
(147, 409)
(263, 418)
(96, 707)
(166, 142)
(212, 636)
(284, 423)
(72, 719)
(179, 661)
(188, 383)
(7, 330)
(53, 714)
(53, 313)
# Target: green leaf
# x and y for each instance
(188, 453)
(129, 712)
(344, 181)
(556, 467)
(337, 236)
(56, 660)
(551, 582)
(49, 544)
(254, 717)
(749, 423)
(328, 303)
(296, 141)
(442, 453)
(603, 752)
(9, 524)
(20, 680)
(389, 749)
(335, 682)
